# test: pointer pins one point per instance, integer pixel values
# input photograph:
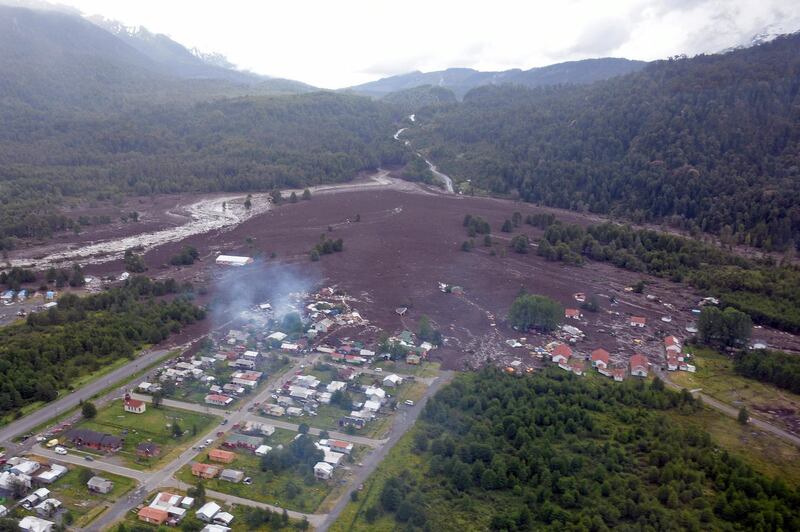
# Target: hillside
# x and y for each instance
(707, 144)
(411, 100)
(462, 80)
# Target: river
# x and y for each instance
(444, 178)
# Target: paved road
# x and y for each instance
(77, 460)
(733, 412)
(405, 419)
(70, 401)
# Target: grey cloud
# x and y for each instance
(601, 38)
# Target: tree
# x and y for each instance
(248, 202)
(507, 226)
(303, 428)
(533, 311)
(293, 198)
(520, 244)
(134, 262)
(466, 246)
(744, 416)
(177, 431)
(726, 328)
(88, 410)
(487, 241)
(314, 255)
(306, 194)
(84, 475)
(157, 397)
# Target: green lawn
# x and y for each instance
(154, 425)
(717, 378)
(425, 369)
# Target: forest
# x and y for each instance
(708, 143)
(551, 451)
(51, 349)
(769, 293)
(67, 157)
(774, 367)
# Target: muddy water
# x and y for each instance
(203, 216)
(444, 178)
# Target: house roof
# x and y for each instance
(600, 354)
(199, 468)
(155, 514)
(90, 437)
(638, 360)
(670, 341)
(219, 454)
(563, 350)
(638, 319)
(134, 403)
(571, 312)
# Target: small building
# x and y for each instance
(223, 519)
(392, 380)
(231, 475)
(55, 472)
(30, 523)
(205, 471)
(294, 411)
(672, 345)
(600, 358)
(223, 457)
(339, 446)
(638, 321)
(576, 366)
(215, 528)
(245, 363)
(672, 363)
(413, 359)
(277, 336)
(207, 512)
(48, 507)
(134, 406)
(561, 353)
(273, 410)
(147, 450)
(572, 313)
(100, 485)
(263, 450)
(323, 471)
(618, 374)
(218, 399)
(233, 260)
(153, 516)
(242, 441)
(98, 441)
(336, 386)
(372, 406)
(639, 366)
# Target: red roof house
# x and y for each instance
(572, 313)
(638, 321)
(600, 358)
(639, 365)
(561, 353)
(671, 344)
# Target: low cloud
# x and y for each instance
(601, 38)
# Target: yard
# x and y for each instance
(425, 369)
(155, 425)
(84, 505)
(287, 489)
(716, 377)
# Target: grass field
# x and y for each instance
(84, 505)
(266, 487)
(154, 425)
(716, 377)
(425, 369)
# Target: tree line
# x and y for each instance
(774, 367)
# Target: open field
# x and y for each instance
(425, 369)
(287, 489)
(154, 425)
(717, 378)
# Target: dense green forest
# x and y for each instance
(780, 369)
(710, 142)
(768, 292)
(555, 452)
(81, 335)
(226, 145)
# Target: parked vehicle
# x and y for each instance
(60, 450)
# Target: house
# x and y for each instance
(323, 471)
(218, 399)
(672, 363)
(576, 366)
(231, 475)
(215, 528)
(339, 446)
(263, 450)
(99, 441)
(352, 421)
(572, 313)
(376, 394)
(672, 345)
(207, 512)
(100, 485)
(30, 523)
(561, 353)
(638, 321)
(48, 507)
(245, 363)
(335, 386)
(273, 410)
(639, 366)
(372, 406)
(299, 392)
(257, 428)
(223, 518)
(346, 374)
(34, 498)
(205, 471)
(600, 358)
(413, 359)
(277, 336)
(294, 411)
(288, 346)
(9, 481)
(133, 406)
(323, 325)
(147, 450)
(250, 355)
(21, 466)
(218, 455)
(307, 381)
(392, 380)
(153, 516)
(187, 502)
(233, 389)
(330, 457)
(618, 374)
(233, 260)
(51, 475)
(241, 441)
(169, 503)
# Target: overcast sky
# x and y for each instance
(334, 44)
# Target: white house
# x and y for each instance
(134, 406)
(639, 366)
(335, 386)
(30, 523)
(207, 512)
(263, 450)
(323, 471)
(233, 260)
(392, 380)
(277, 336)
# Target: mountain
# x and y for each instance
(709, 143)
(412, 99)
(462, 80)
(61, 61)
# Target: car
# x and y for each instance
(201, 446)
(88, 458)
(209, 442)
(247, 480)
(378, 370)
(408, 402)
(224, 422)
(40, 439)
(60, 450)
